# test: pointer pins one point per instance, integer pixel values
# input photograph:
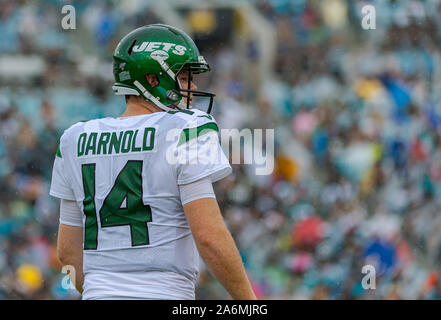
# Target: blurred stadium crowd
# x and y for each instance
(357, 118)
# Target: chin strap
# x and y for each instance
(150, 97)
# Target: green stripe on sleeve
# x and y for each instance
(59, 152)
(190, 133)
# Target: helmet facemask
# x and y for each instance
(192, 68)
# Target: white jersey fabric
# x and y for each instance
(124, 175)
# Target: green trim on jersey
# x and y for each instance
(59, 152)
(191, 133)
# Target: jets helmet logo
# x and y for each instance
(163, 46)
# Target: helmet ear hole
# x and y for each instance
(152, 79)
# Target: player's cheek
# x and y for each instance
(183, 84)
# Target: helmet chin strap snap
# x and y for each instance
(172, 95)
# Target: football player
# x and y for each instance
(137, 209)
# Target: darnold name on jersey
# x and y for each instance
(116, 142)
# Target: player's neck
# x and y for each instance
(137, 106)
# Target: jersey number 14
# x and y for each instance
(122, 206)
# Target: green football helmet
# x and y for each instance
(163, 51)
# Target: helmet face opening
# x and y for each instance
(162, 51)
(193, 68)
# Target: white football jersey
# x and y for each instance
(124, 174)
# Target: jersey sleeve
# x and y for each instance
(199, 153)
(70, 213)
(60, 188)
